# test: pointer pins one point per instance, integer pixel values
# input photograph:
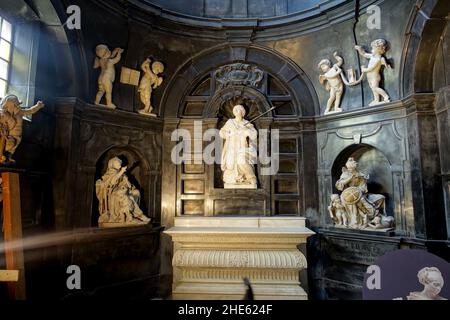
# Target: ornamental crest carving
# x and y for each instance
(238, 74)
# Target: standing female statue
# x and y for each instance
(239, 152)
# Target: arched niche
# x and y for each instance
(373, 162)
(193, 86)
(221, 107)
(221, 104)
(137, 173)
(425, 28)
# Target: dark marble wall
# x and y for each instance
(397, 143)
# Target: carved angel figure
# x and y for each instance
(11, 125)
(149, 81)
(106, 60)
(337, 211)
(332, 80)
(373, 69)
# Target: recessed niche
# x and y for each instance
(193, 168)
(203, 89)
(288, 145)
(194, 108)
(275, 87)
(244, 206)
(286, 186)
(288, 166)
(286, 207)
(193, 207)
(283, 108)
(193, 186)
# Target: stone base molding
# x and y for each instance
(212, 256)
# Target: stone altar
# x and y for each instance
(212, 255)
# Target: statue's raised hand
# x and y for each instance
(40, 104)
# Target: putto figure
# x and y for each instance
(106, 61)
(149, 81)
(118, 198)
(11, 125)
(239, 152)
(364, 210)
(332, 78)
(373, 69)
(337, 211)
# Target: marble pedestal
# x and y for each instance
(212, 255)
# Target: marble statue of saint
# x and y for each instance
(106, 60)
(118, 198)
(432, 281)
(373, 69)
(149, 81)
(11, 125)
(239, 152)
(365, 210)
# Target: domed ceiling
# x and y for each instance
(241, 8)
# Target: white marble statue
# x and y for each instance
(432, 281)
(118, 198)
(373, 69)
(363, 210)
(332, 78)
(106, 60)
(11, 125)
(239, 152)
(149, 81)
(337, 211)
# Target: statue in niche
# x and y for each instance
(332, 78)
(106, 60)
(432, 281)
(239, 152)
(118, 198)
(149, 81)
(11, 125)
(373, 69)
(363, 210)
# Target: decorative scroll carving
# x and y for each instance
(238, 74)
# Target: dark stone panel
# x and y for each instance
(104, 254)
(286, 186)
(338, 260)
(193, 207)
(238, 206)
(286, 207)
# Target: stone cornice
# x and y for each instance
(230, 29)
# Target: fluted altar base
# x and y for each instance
(212, 255)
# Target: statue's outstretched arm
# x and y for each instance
(32, 110)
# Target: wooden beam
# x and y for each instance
(12, 226)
